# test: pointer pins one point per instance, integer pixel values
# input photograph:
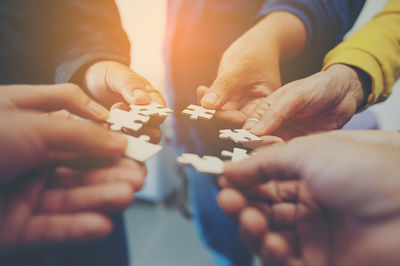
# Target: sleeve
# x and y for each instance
(83, 32)
(326, 21)
(375, 49)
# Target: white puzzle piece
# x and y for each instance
(140, 149)
(123, 119)
(237, 155)
(239, 135)
(195, 112)
(152, 109)
(207, 164)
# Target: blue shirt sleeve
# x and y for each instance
(326, 21)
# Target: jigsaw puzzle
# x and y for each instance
(140, 149)
(122, 119)
(153, 109)
(195, 112)
(237, 155)
(207, 164)
(239, 135)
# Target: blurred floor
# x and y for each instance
(160, 236)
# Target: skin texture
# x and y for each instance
(115, 85)
(322, 102)
(249, 68)
(329, 199)
(60, 177)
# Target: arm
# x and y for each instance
(85, 32)
(90, 48)
(375, 50)
(326, 22)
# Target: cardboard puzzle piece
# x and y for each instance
(239, 135)
(122, 119)
(237, 155)
(207, 164)
(195, 112)
(153, 109)
(140, 149)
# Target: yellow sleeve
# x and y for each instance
(375, 49)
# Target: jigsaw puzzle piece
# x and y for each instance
(237, 155)
(239, 135)
(122, 119)
(153, 109)
(140, 149)
(195, 112)
(207, 164)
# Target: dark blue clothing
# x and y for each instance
(47, 41)
(198, 34)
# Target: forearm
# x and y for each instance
(86, 32)
(375, 51)
(283, 31)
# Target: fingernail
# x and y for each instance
(118, 138)
(210, 99)
(257, 128)
(249, 125)
(99, 110)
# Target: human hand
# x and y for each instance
(249, 68)
(66, 204)
(317, 201)
(51, 98)
(32, 139)
(111, 82)
(321, 102)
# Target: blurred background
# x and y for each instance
(158, 224)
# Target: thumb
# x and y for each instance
(223, 88)
(132, 87)
(273, 111)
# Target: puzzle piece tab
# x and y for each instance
(195, 112)
(239, 135)
(237, 155)
(122, 119)
(140, 149)
(207, 164)
(153, 109)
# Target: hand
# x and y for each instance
(66, 204)
(111, 82)
(50, 98)
(321, 102)
(329, 199)
(31, 139)
(249, 68)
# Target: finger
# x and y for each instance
(79, 136)
(274, 191)
(273, 111)
(253, 227)
(232, 202)
(276, 248)
(122, 171)
(104, 198)
(134, 88)
(50, 98)
(266, 141)
(47, 229)
(224, 86)
(201, 91)
(275, 162)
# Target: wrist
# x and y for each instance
(355, 81)
(274, 27)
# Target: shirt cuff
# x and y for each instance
(366, 62)
(68, 69)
